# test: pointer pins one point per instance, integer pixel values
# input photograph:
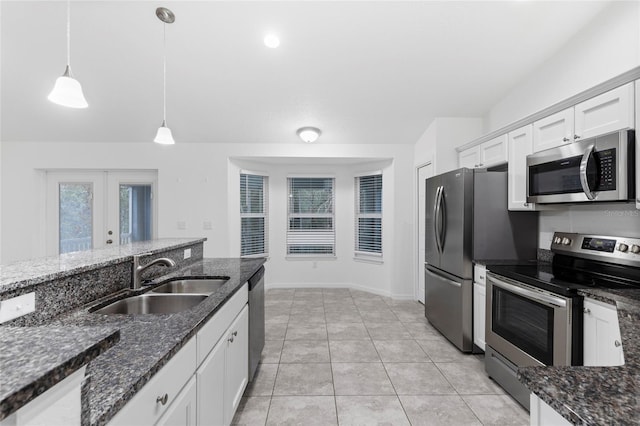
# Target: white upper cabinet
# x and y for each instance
(520, 145)
(553, 131)
(487, 154)
(605, 113)
(469, 158)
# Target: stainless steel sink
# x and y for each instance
(192, 286)
(152, 304)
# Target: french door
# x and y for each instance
(96, 208)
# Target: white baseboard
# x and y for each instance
(351, 286)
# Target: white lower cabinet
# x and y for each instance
(60, 405)
(182, 411)
(602, 341)
(203, 383)
(541, 414)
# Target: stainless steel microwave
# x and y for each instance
(596, 169)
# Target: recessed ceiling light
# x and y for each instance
(272, 41)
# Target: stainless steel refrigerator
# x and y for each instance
(467, 218)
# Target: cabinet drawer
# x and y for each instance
(144, 408)
(213, 330)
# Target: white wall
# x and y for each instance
(438, 143)
(607, 47)
(194, 183)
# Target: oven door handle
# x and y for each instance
(584, 163)
(529, 294)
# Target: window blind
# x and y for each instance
(310, 228)
(253, 215)
(368, 226)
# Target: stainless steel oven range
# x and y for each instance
(534, 313)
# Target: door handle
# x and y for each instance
(436, 218)
(584, 163)
(109, 241)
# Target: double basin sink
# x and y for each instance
(168, 298)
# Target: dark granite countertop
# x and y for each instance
(33, 359)
(34, 271)
(597, 395)
(147, 342)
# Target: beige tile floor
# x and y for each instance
(338, 356)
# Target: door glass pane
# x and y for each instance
(135, 213)
(75, 215)
(524, 323)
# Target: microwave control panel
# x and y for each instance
(606, 169)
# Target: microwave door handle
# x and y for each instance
(584, 163)
(529, 294)
(436, 215)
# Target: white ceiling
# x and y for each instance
(363, 72)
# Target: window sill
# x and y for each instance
(364, 258)
(313, 257)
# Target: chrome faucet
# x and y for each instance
(136, 281)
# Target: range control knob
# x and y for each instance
(623, 247)
(557, 240)
(635, 249)
(566, 241)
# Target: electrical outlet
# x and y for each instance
(187, 253)
(17, 307)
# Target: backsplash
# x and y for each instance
(601, 219)
(57, 296)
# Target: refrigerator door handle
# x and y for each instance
(443, 220)
(436, 218)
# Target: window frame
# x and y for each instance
(264, 214)
(332, 215)
(359, 254)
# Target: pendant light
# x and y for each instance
(164, 135)
(309, 134)
(67, 90)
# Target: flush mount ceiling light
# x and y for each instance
(164, 135)
(272, 41)
(309, 134)
(67, 90)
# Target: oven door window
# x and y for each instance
(524, 323)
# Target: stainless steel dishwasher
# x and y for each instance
(256, 320)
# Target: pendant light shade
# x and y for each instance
(164, 136)
(67, 90)
(309, 134)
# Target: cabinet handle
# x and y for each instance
(565, 139)
(587, 311)
(617, 344)
(481, 164)
(525, 204)
(230, 339)
(235, 333)
(162, 399)
(576, 137)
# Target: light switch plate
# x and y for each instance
(187, 253)
(17, 307)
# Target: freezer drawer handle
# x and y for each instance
(448, 281)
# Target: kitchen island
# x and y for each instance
(596, 395)
(135, 347)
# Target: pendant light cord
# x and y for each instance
(69, 32)
(164, 76)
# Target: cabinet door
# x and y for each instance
(182, 411)
(479, 309)
(605, 113)
(602, 342)
(469, 158)
(494, 152)
(637, 146)
(237, 364)
(210, 379)
(553, 131)
(520, 145)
